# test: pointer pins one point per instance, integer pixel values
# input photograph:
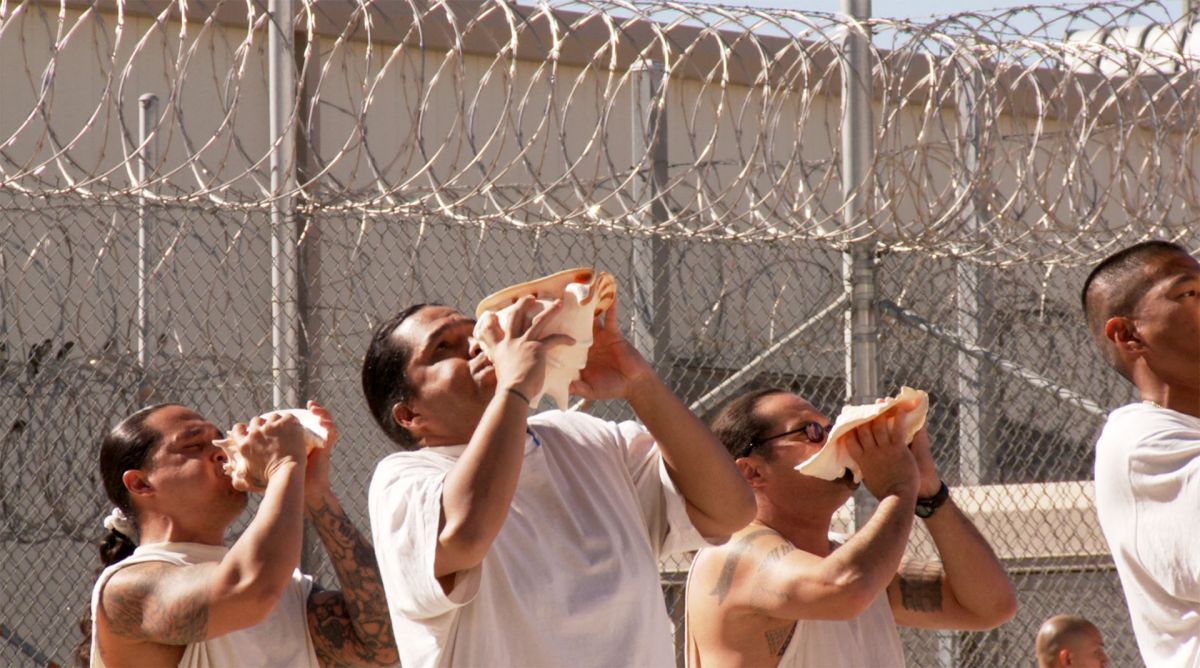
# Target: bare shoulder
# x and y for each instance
(726, 613)
(156, 601)
(722, 571)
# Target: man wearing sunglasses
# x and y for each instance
(785, 591)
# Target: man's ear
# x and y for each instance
(751, 470)
(136, 482)
(1123, 335)
(404, 416)
(1064, 657)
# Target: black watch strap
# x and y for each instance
(927, 506)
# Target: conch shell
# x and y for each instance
(831, 462)
(584, 292)
(239, 468)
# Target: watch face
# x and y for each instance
(924, 511)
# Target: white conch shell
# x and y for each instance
(831, 462)
(584, 293)
(238, 467)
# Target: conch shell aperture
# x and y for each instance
(831, 462)
(585, 293)
(238, 467)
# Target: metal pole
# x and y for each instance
(282, 102)
(968, 285)
(651, 257)
(858, 267)
(147, 158)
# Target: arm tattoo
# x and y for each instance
(921, 587)
(736, 552)
(785, 548)
(778, 639)
(764, 595)
(352, 625)
(135, 608)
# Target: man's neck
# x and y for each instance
(807, 532)
(162, 529)
(1182, 400)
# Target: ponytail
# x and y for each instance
(125, 448)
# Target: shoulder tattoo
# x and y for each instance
(135, 608)
(732, 557)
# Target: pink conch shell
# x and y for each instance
(238, 467)
(831, 462)
(585, 293)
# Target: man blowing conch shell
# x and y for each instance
(786, 591)
(510, 539)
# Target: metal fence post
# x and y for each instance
(147, 252)
(285, 362)
(969, 276)
(651, 256)
(862, 326)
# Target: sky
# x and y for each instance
(1054, 23)
(909, 9)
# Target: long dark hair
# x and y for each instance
(385, 379)
(124, 448)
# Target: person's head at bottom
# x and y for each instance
(1070, 640)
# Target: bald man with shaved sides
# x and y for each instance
(1142, 307)
(1070, 641)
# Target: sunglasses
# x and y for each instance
(814, 432)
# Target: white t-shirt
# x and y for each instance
(1147, 497)
(572, 577)
(281, 640)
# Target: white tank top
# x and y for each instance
(281, 639)
(870, 639)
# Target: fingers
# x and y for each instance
(882, 429)
(610, 317)
(326, 420)
(488, 329)
(539, 321)
(521, 316)
(853, 445)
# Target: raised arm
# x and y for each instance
(350, 627)
(479, 488)
(790, 583)
(718, 500)
(170, 605)
(970, 589)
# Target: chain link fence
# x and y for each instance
(160, 190)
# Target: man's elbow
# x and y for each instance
(253, 597)
(1003, 608)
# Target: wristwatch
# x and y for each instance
(927, 506)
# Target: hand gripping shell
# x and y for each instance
(240, 469)
(585, 293)
(831, 462)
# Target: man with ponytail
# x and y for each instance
(172, 593)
